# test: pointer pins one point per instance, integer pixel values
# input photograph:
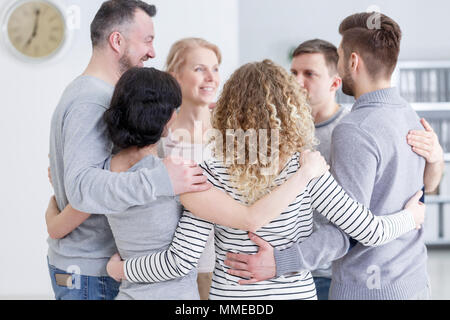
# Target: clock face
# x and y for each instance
(36, 28)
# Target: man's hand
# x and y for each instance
(115, 268)
(186, 176)
(255, 267)
(426, 143)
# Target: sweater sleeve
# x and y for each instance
(328, 198)
(91, 189)
(178, 260)
(327, 244)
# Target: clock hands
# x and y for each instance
(33, 35)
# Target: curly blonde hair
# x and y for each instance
(262, 95)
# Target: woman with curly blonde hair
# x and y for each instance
(262, 102)
(262, 97)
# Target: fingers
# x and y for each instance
(422, 152)
(241, 282)
(415, 198)
(115, 257)
(236, 265)
(199, 179)
(195, 171)
(420, 145)
(259, 241)
(199, 187)
(418, 195)
(242, 257)
(419, 142)
(420, 133)
(421, 136)
(426, 125)
(240, 273)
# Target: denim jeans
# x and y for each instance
(322, 287)
(84, 287)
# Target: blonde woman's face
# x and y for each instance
(199, 77)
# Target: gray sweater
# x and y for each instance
(375, 165)
(147, 229)
(79, 148)
(323, 133)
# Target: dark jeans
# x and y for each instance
(322, 287)
(83, 287)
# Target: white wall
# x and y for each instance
(29, 94)
(270, 28)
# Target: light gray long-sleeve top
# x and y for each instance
(79, 148)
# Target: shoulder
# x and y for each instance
(352, 136)
(87, 94)
(216, 172)
(148, 162)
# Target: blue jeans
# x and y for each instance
(83, 287)
(322, 287)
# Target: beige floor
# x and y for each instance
(439, 271)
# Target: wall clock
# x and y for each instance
(35, 29)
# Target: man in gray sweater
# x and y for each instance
(374, 164)
(122, 37)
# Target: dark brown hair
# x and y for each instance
(143, 102)
(326, 48)
(113, 14)
(377, 43)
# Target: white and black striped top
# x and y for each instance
(293, 225)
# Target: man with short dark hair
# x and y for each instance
(314, 65)
(122, 35)
(374, 164)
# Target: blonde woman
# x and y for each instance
(262, 96)
(194, 63)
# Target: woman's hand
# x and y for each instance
(417, 209)
(115, 268)
(312, 164)
(52, 209)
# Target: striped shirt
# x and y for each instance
(294, 225)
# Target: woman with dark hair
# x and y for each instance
(141, 110)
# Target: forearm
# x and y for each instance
(177, 261)
(323, 246)
(433, 175)
(88, 187)
(355, 219)
(61, 224)
(218, 207)
(102, 192)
